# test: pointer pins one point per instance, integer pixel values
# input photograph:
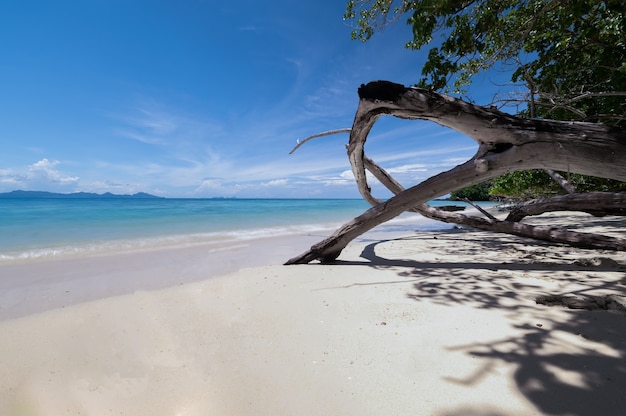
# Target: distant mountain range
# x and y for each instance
(75, 195)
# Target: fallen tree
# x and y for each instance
(506, 143)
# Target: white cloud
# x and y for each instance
(44, 173)
(277, 182)
(210, 184)
(114, 187)
(215, 187)
(340, 179)
(41, 175)
(453, 161)
(348, 175)
(427, 156)
(408, 168)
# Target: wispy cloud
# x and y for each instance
(419, 167)
(135, 135)
(154, 124)
(10, 179)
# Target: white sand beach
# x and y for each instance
(432, 323)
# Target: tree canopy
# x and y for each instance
(571, 55)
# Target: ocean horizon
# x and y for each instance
(44, 228)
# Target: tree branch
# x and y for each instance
(506, 143)
(315, 136)
(594, 203)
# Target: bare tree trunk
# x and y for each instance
(506, 143)
(563, 183)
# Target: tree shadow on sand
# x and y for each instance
(573, 364)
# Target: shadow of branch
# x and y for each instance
(578, 365)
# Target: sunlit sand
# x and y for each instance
(431, 323)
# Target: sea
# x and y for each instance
(45, 228)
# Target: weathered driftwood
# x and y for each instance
(597, 204)
(544, 233)
(506, 143)
(552, 234)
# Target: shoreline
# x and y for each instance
(83, 249)
(427, 323)
(41, 284)
(44, 284)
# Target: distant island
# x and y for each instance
(75, 195)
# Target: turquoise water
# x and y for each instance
(36, 228)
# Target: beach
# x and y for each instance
(438, 322)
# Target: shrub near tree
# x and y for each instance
(531, 184)
(479, 192)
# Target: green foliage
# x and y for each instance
(530, 184)
(580, 69)
(571, 54)
(479, 192)
(584, 183)
(525, 184)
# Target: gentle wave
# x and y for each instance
(218, 239)
(55, 234)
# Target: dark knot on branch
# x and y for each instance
(381, 90)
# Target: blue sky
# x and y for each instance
(193, 98)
